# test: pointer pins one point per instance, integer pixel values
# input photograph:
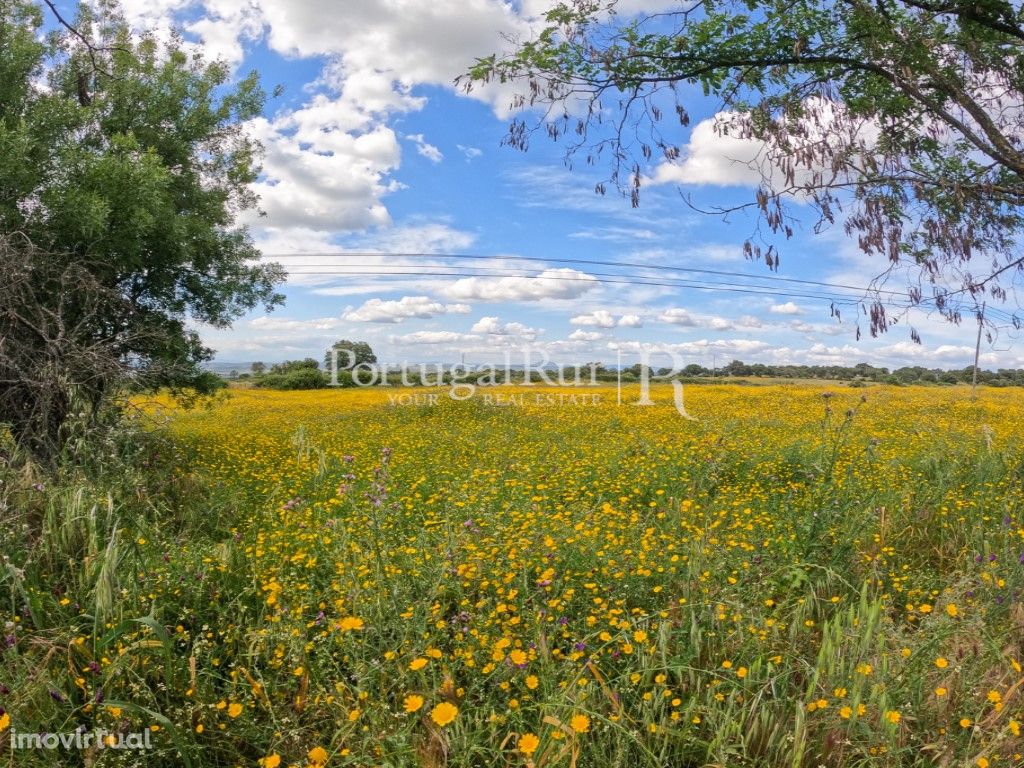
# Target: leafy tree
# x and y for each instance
(695, 369)
(294, 377)
(124, 165)
(290, 366)
(350, 354)
(736, 368)
(900, 119)
(258, 367)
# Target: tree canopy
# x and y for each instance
(900, 120)
(349, 354)
(125, 159)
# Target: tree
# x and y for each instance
(900, 119)
(290, 366)
(294, 374)
(258, 367)
(736, 368)
(350, 354)
(123, 168)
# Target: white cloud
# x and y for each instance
(549, 284)
(494, 327)
(318, 176)
(600, 318)
(431, 237)
(315, 259)
(227, 27)
(677, 316)
(801, 326)
(297, 240)
(415, 42)
(581, 335)
(713, 158)
(432, 337)
(717, 154)
(329, 162)
(273, 323)
(789, 308)
(381, 311)
(429, 151)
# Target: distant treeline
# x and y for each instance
(308, 374)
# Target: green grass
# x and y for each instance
(717, 582)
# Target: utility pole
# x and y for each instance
(977, 353)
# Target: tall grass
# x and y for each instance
(788, 582)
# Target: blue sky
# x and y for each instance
(371, 149)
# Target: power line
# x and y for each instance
(591, 262)
(363, 271)
(866, 290)
(589, 278)
(356, 269)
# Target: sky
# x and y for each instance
(371, 149)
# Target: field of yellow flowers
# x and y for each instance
(798, 577)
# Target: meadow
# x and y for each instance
(803, 576)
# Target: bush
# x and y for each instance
(302, 378)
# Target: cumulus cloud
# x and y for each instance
(686, 319)
(421, 307)
(549, 284)
(322, 177)
(581, 335)
(711, 158)
(412, 41)
(329, 162)
(716, 154)
(677, 316)
(494, 327)
(789, 308)
(600, 318)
